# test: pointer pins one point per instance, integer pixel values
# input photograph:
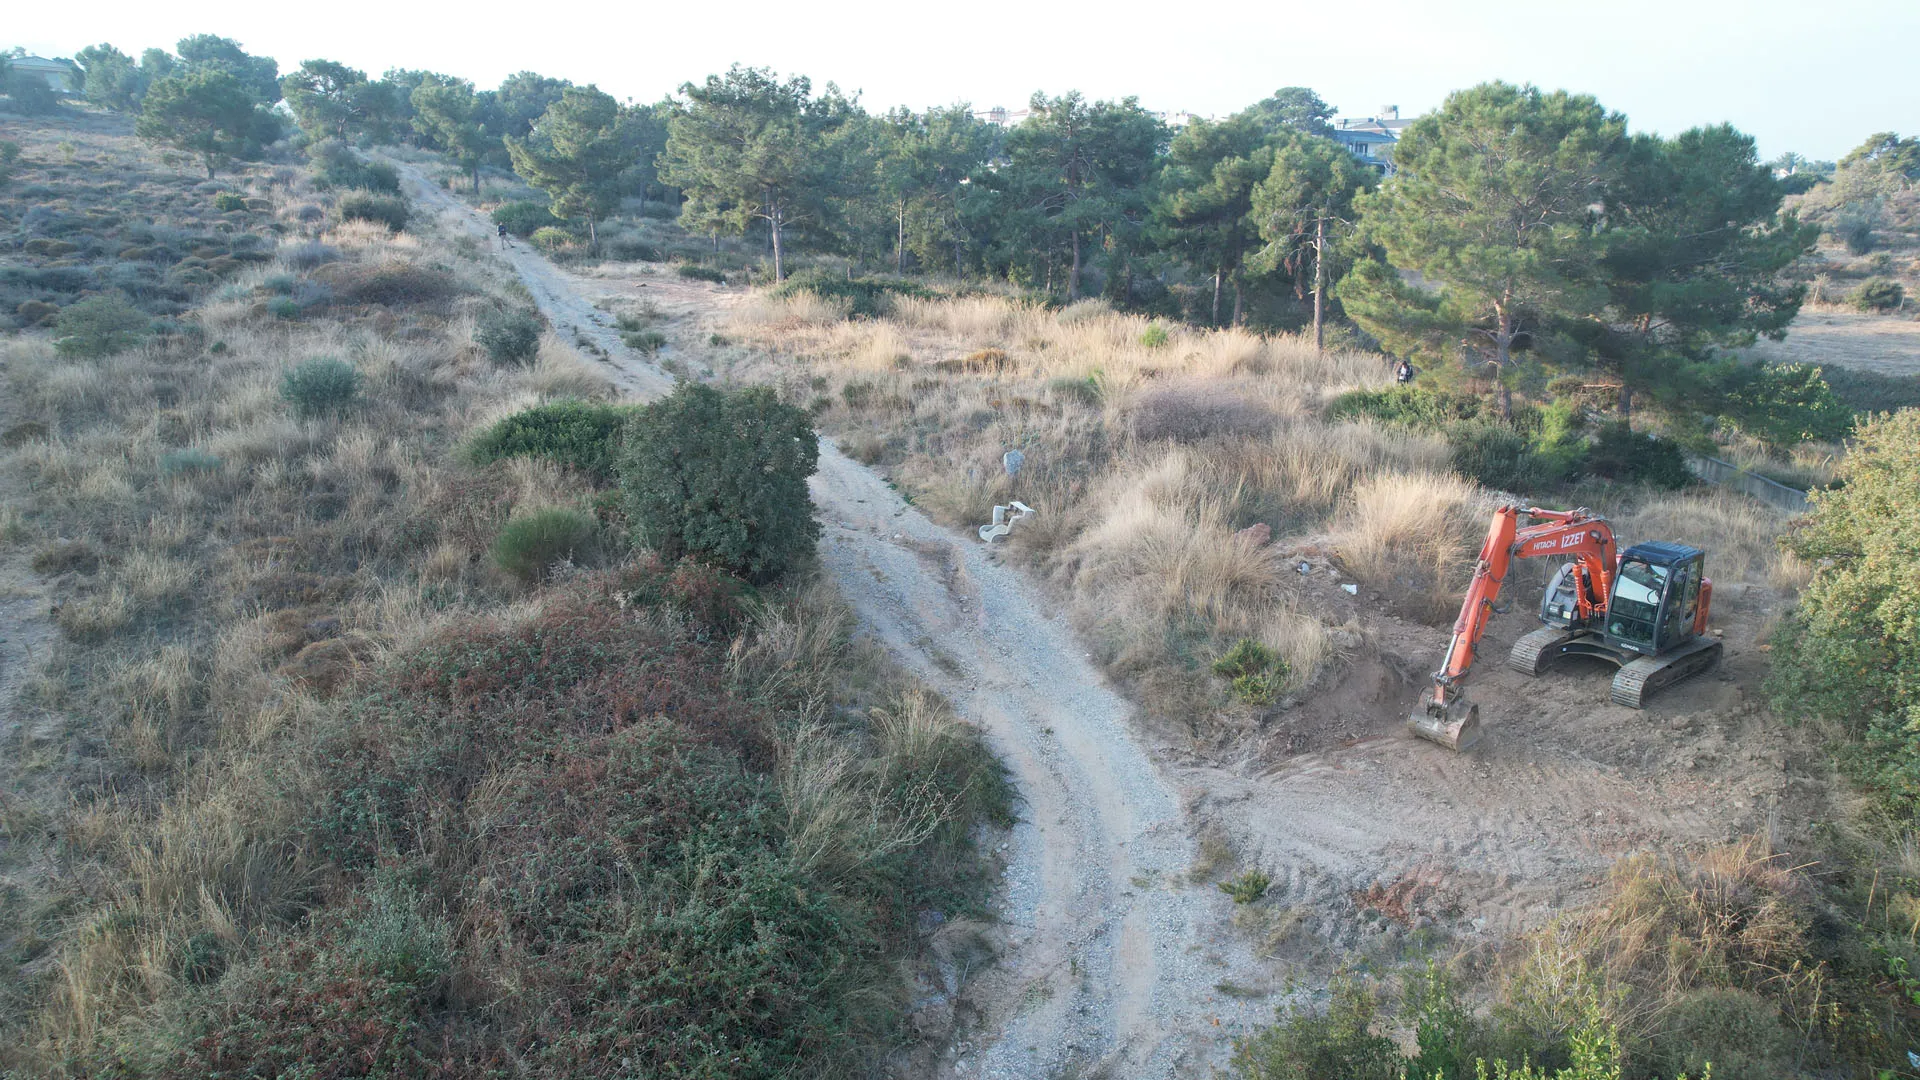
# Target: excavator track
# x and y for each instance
(1533, 652)
(1647, 676)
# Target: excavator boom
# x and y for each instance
(1446, 716)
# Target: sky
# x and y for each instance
(1812, 77)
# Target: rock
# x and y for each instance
(1012, 460)
(1256, 535)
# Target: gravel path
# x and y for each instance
(1105, 969)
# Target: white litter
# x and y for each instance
(1352, 590)
(1003, 522)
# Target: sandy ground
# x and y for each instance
(1886, 344)
(1114, 960)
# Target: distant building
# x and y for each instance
(1371, 138)
(57, 74)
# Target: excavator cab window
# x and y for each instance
(1633, 616)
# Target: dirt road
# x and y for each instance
(1101, 968)
(1115, 959)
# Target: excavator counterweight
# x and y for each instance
(1643, 610)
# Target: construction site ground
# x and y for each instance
(1115, 949)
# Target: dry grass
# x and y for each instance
(219, 537)
(1738, 534)
(1145, 458)
(1413, 537)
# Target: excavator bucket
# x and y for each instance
(1455, 725)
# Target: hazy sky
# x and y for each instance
(1814, 77)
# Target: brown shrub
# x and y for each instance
(324, 666)
(1191, 412)
(389, 284)
(66, 556)
(36, 312)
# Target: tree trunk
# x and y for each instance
(1502, 350)
(1319, 286)
(1239, 304)
(476, 179)
(779, 264)
(1073, 273)
(1215, 320)
(1625, 401)
(593, 237)
(900, 240)
(1129, 281)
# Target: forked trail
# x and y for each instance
(1099, 971)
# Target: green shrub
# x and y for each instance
(1322, 1045)
(1879, 294)
(1854, 227)
(340, 167)
(529, 543)
(551, 238)
(646, 341)
(1501, 456)
(1155, 336)
(388, 210)
(582, 435)
(722, 475)
(524, 218)
(1249, 887)
(1783, 405)
(189, 460)
(9, 158)
(510, 337)
(1850, 652)
(1411, 406)
(1620, 453)
(30, 94)
(1860, 390)
(871, 297)
(1084, 391)
(229, 201)
(283, 307)
(320, 386)
(696, 272)
(1256, 673)
(97, 327)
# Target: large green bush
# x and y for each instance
(582, 435)
(722, 475)
(525, 217)
(388, 210)
(529, 543)
(1850, 652)
(1879, 294)
(98, 326)
(320, 386)
(510, 337)
(1412, 406)
(1783, 405)
(864, 296)
(1620, 453)
(339, 167)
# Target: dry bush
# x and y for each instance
(1739, 534)
(1412, 537)
(1192, 411)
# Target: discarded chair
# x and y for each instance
(1003, 522)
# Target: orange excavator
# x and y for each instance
(1643, 610)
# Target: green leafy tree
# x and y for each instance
(1292, 108)
(1078, 176)
(574, 154)
(1204, 207)
(522, 99)
(259, 76)
(1850, 652)
(1302, 208)
(205, 112)
(1694, 245)
(1492, 207)
(748, 147)
(111, 79)
(922, 160)
(1888, 157)
(450, 114)
(721, 475)
(329, 98)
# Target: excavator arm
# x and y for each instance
(1446, 716)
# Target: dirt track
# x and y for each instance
(1114, 957)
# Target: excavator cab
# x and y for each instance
(1655, 599)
